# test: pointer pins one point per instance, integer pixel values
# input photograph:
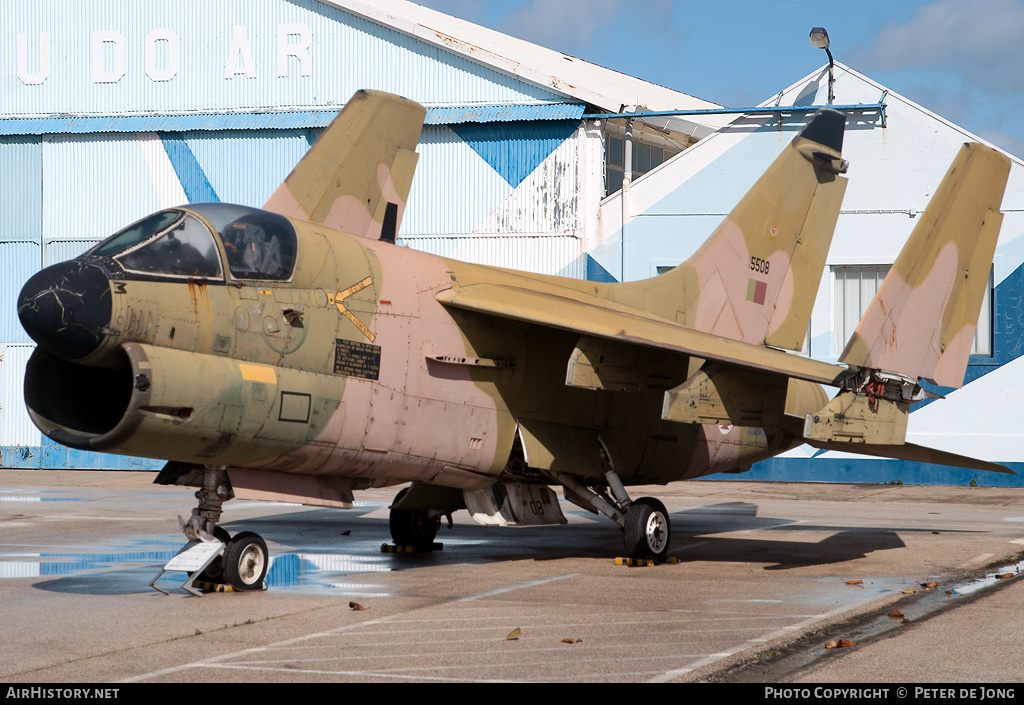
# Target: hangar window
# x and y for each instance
(855, 287)
(645, 158)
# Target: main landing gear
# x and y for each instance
(414, 527)
(243, 561)
(644, 521)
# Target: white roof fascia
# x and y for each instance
(551, 70)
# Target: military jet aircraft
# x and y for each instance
(296, 353)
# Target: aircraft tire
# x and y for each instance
(245, 561)
(647, 531)
(214, 573)
(412, 527)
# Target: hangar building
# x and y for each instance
(115, 109)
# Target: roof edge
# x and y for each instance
(889, 95)
(575, 78)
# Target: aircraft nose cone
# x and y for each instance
(65, 307)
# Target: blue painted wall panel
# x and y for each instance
(871, 470)
(247, 166)
(515, 150)
(188, 170)
(94, 185)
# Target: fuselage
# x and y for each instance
(222, 335)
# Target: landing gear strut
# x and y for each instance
(644, 521)
(242, 562)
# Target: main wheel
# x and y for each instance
(646, 530)
(412, 527)
(245, 561)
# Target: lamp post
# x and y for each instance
(819, 40)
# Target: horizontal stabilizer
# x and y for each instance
(910, 451)
(922, 321)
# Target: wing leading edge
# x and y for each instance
(602, 318)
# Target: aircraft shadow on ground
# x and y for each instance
(323, 544)
(694, 538)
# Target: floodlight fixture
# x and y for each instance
(819, 40)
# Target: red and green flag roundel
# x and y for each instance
(756, 291)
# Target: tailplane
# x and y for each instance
(755, 279)
(356, 177)
(922, 321)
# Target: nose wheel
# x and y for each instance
(245, 561)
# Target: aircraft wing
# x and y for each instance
(603, 318)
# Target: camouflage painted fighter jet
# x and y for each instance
(295, 353)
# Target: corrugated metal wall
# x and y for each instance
(458, 190)
(247, 166)
(16, 428)
(94, 185)
(540, 253)
(229, 55)
(497, 193)
(18, 262)
(21, 197)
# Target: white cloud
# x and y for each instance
(976, 41)
(562, 23)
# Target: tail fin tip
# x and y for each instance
(826, 127)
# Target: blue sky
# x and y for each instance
(960, 59)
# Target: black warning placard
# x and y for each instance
(354, 359)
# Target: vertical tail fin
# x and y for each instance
(755, 279)
(357, 176)
(922, 320)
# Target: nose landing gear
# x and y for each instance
(212, 554)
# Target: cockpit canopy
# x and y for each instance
(259, 246)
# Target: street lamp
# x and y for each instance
(819, 40)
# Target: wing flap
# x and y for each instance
(579, 313)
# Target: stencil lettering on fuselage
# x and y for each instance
(339, 301)
(355, 359)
